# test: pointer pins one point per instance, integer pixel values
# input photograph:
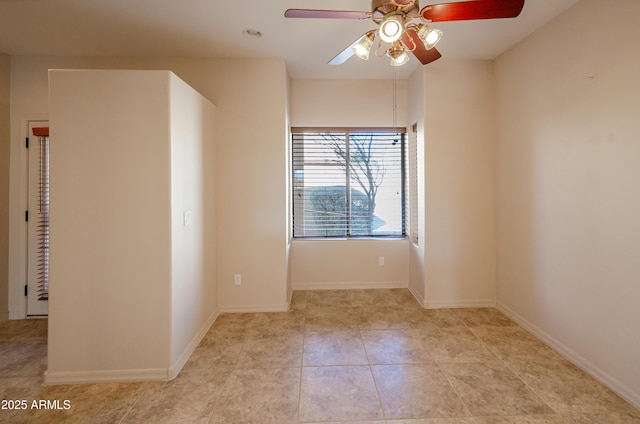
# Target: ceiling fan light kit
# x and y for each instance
(392, 27)
(429, 36)
(396, 27)
(362, 49)
(398, 54)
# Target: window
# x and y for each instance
(348, 182)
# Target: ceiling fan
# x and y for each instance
(399, 31)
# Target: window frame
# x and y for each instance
(346, 131)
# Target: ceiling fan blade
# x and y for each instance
(344, 55)
(474, 9)
(415, 45)
(326, 14)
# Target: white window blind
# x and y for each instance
(412, 184)
(348, 182)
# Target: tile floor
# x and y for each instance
(356, 356)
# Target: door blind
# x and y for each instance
(43, 213)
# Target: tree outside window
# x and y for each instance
(348, 183)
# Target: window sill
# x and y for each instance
(347, 239)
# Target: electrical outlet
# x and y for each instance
(381, 261)
(237, 279)
(187, 218)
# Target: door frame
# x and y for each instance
(18, 204)
(36, 307)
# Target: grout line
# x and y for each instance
(304, 324)
(124, 416)
(373, 378)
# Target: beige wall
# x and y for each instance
(337, 264)
(459, 179)
(252, 185)
(110, 260)
(194, 296)
(317, 264)
(348, 103)
(568, 203)
(251, 224)
(5, 76)
(127, 160)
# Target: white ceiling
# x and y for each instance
(213, 28)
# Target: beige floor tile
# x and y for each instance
(279, 323)
(416, 391)
(298, 301)
(394, 347)
(365, 297)
(490, 388)
(382, 318)
(216, 351)
(566, 388)
(92, 403)
(334, 348)
(406, 299)
(348, 422)
(25, 329)
(259, 396)
(271, 351)
(433, 319)
(344, 393)
(20, 388)
(23, 358)
(513, 342)
(522, 419)
(474, 317)
(603, 418)
(435, 421)
(310, 365)
(231, 325)
(331, 319)
(381, 297)
(328, 298)
(190, 397)
(456, 344)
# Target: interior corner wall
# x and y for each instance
(5, 137)
(568, 203)
(194, 294)
(110, 259)
(460, 225)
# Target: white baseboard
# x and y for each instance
(351, 285)
(111, 376)
(418, 297)
(462, 303)
(127, 376)
(177, 366)
(233, 309)
(578, 360)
